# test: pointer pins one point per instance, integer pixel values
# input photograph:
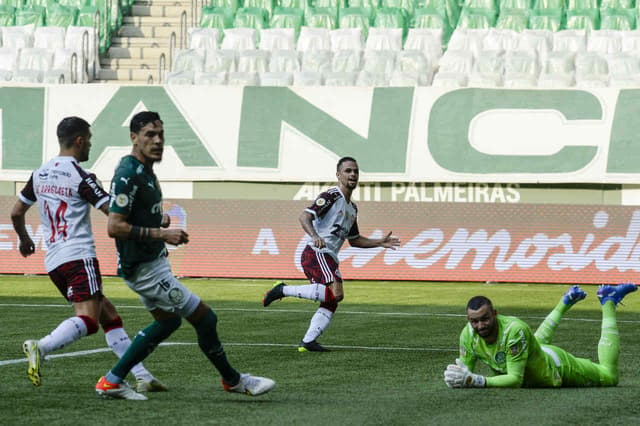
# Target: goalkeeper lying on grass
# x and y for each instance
(519, 358)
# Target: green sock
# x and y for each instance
(609, 344)
(144, 343)
(212, 347)
(547, 329)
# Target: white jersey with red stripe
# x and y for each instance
(335, 220)
(64, 192)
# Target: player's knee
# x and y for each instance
(111, 324)
(90, 323)
(207, 323)
(168, 326)
(331, 306)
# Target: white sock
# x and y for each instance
(315, 292)
(319, 323)
(67, 332)
(119, 342)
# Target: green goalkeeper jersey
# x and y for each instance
(135, 193)
(516, 358)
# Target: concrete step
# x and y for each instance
(160, 10)
(170, 21)
(143, 76)
(124, 82)
(151, 31)
(127, 63)
(184, 3)
(137, 52)
(139, 42)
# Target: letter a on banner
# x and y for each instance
(111, 127)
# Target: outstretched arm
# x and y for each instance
(27, 247)
(388, 241)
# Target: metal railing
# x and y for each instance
(162, 67)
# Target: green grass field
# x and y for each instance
(390, 343)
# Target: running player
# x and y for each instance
(519, 358)
(328, 222)
(137, 223)
(64, 193)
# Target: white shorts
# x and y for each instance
(159, 289)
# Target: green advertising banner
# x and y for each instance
(296, 134)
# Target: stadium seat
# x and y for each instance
(284, 61)
(176, 78)
(583, 19)
(217, 17)
(478, 19)
(354, 17)
(321, 17)
(513, 19)
(307, 78)
(403, 79)
(538, 41)
(188, 60)
(349, 61)
(384, 39)
(287, 18)
(427, 41)
(267, 5)
(210, 78)
(314, 39)
(367, 78)
(84, 42)
(488, 69)
(251, 17)
(592, 70)
(449, 79)
(276, 78)
(8, 63)
(416, 63)
(217, 61)
(277, 39)
(347, 39)
(252, 61)
(293, 4)
(617, 19)
(392, 17)
(242, 79)
(408, 6)
(546, 19)
(467, 40)
(61, 16)
(521, 69)
(30, 15)
(7, 15)
(379, 62)
(18, 37)
(316, 61)
(500, 40)
(624, 70)
(570, 41)
(630, 41)
(240, 39)
(514, 5)
(232, 5)
(604, 41)
(335, 4)
(340, 79)
(49, 37)
(558, 70)
(32, 64)
(65, 64)
(456, 61)
(204, 38)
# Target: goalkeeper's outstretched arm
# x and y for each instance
(458, 375)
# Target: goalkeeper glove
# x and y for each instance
(458, 376)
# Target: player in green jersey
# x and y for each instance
(519, 358)
(140, 229)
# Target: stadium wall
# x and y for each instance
(480, 184)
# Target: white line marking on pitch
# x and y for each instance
(274, 311)
(100, 350)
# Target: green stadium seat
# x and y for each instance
(408, 5)
(287, 17)
(16, 4)
(7, 15)
(617, 4)
(583, 19)
(295, 4)
(217, 17)
(618, 19)
(582, 4)
(546, 19)
(88, 16)
(431, 18)
(31, 15)
(321, 17)
(548, 4)
(226, 4)
(78, 4)
(354, 17)
(477, 19)
(514, 4)
(336, 4)
(251, 17)
(513, 19)
(61, 16)
(392, 17)
(267, 5)
(370, 5)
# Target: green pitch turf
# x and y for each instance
(390, 343)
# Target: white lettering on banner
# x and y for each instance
(266, 241)
(37, 237)
(4, 236)
(621, 253)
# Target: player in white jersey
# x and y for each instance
(328, 222)
(64, 193)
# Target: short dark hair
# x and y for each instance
(143, 118)
(70, 128)
(477, 302)
(344, 160)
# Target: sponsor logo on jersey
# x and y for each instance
(176, 295)
(122, 200)
(320, 202)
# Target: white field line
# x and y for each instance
(275, 311)
(99, 350)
